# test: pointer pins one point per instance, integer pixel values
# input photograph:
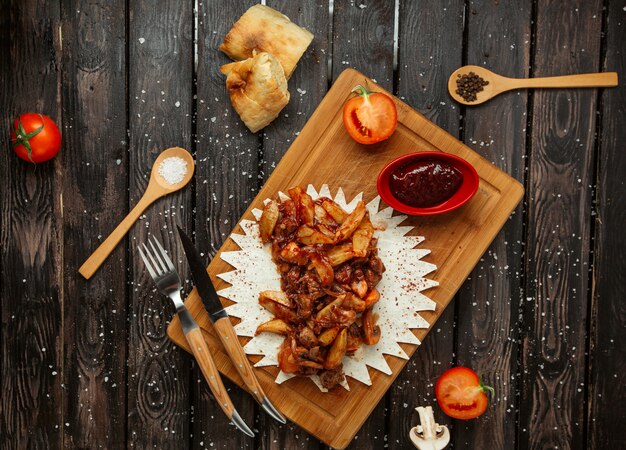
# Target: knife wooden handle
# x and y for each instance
(201, 352)
(229, 338)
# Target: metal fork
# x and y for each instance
(166, 278)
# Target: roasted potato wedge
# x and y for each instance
(362, 237)
(351, 301)
(359, 287)
(339, 254)
(305, 205)
(268, 220)
(276, 296)
(293, 253)
(326, 313)
(324, 269)
(335, 211)
(310, 236)
(350, 223)
(326, 231)
(276, 326)
(371, 331)
(286, 361)
(277, 308)
(322, 217)
(372, 297)
(327, 336)
(337, 350)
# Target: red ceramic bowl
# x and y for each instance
(468, 187)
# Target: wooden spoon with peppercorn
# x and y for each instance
(473, 85)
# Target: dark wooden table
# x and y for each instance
(87, 364)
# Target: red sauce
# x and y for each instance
(425, 183)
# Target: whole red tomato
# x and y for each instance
(461, 394)
(370, 117)
(35, 137)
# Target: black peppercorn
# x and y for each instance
(468, 85)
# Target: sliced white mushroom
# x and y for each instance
(429, 435)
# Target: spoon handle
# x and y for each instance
(603, 79)
(96, 259)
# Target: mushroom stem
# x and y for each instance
(429, 435)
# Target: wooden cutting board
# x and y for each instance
(325, 153)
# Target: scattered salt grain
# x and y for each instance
(142, 40)
(173, 169)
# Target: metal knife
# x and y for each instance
(223, 327)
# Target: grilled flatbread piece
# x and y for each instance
(263, 29)
(258, 89)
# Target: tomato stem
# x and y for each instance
(22, 137)
(361, 91)
(487, 389)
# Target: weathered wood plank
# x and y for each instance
(227, 178)
(30, 237)
(499, 39)
(307, 87)
(608, 356)
(362, 38)
(429, 50)
(95, 159)
(160, 111)
(552, 408)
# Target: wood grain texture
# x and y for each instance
(160, 111)
(307, 85)
(488, 303)
(95, 153)
(227, 178)
(429, 51)
(363, 39)
(552, 409)
(31, 238)
(457, 241)
(608, 354)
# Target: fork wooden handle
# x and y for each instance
(201, 352)
(229, 338)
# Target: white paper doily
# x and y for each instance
(400, 289)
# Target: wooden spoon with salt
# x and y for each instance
(158, 187)
(499, 84)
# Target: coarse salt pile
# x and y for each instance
(173, 169)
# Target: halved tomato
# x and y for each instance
(370, 117)
(461, 394)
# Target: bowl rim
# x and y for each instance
(472, 181)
